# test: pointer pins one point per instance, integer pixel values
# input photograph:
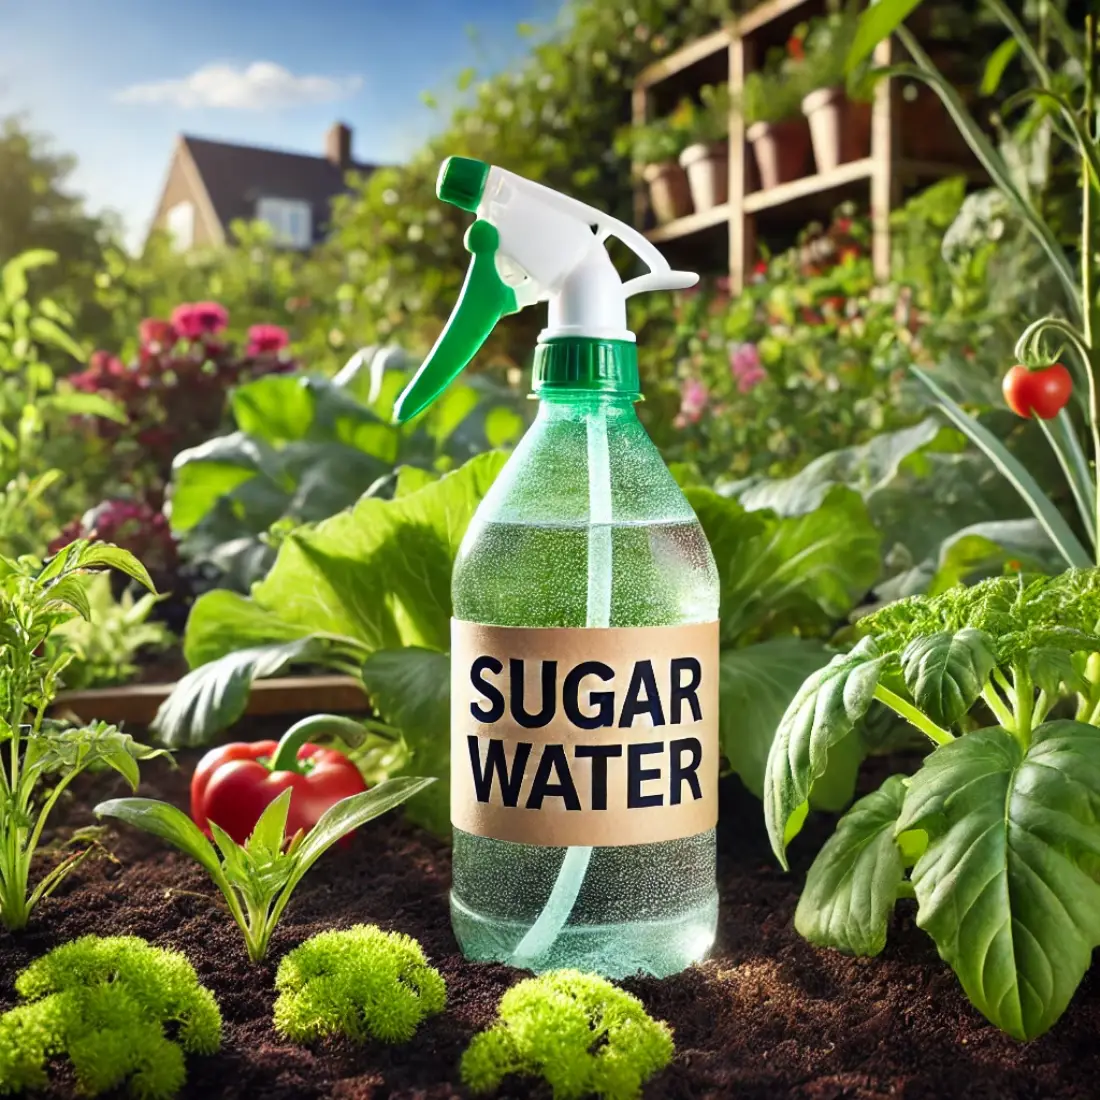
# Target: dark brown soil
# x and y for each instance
(767, 1016)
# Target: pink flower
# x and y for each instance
(693, 400)
(195, 320)
(156, 334)
(745, 366)
(266, 338)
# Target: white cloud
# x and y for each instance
(260, 86)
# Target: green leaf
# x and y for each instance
(266, 838)
(986, 549)
(222, 622)
(381, 571)
(878, 22)
(1008, 884)
(804, 571)
(212, 697)
(823, 713)
(276, 409)
(13, 277)
(411, 689)
(71, 592)
(853, 883)
(1054, 671)
(85, 404)
(1041, 507)
(945, 673)
(996, 64)
(756, 686)
(410, 479)
(165, 821)
(53, 335)
(102, 555)
(503, 426)
(348, 814)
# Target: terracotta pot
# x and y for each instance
(839, 127)
(928, 132)
(781, 150)
(669, 194)
(707, 167)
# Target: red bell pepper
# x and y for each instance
(234, 783)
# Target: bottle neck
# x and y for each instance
(581, 367)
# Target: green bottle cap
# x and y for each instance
(585, 363)
(461, 182)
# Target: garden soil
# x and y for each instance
(766, 1016)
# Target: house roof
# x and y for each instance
(235, 176)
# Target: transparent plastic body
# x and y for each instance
(526, 561)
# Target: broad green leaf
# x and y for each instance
(212, 697)
(1054, 671)
(276, 409)
(53, 335)
(853, 884)
(411, 689)
(503, 426)
(823, 712)
(877, 22)
(165, 821)
(102, 555)
(986, 549)
(223, 622)
(266, 838)
(866, 467)
(85, 404)
(996, 64)
(945, 673)
(410, 479)
(803, 571)
(70, 591)
(201, 475)
(1008, 884)
(1044, 511)
(381, 571)
(756, 685)
(350, 813)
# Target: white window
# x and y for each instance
(290, 219)
(180, 221)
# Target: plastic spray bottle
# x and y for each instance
(584, 682)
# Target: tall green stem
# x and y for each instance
(1088, 290)
(1025, 704)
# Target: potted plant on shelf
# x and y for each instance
(655, 146)
(706, 159)
(777, 131)
(837, 106)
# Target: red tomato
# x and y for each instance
(1043, 392)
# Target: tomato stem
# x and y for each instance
(286, 753)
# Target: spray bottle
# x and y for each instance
(584, 658)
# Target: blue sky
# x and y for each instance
(114, 81)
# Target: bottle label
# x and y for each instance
(586, 736)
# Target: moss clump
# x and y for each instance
(103, 1002)
(362, 982)
(580, 1033)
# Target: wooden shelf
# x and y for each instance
(684, 58)
(785, 193)
(693, 223)
(766, 13)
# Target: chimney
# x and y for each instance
(338, 145)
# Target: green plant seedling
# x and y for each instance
(577, 1031)
(34, 751)
(996, 833)
(360, 982)
(107, 1004)
(258, 878)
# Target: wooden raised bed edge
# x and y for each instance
(137, 704)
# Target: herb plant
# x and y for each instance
(577, 1031)
(109, 1005)
(257, 878)
(35, 751)
(360, 982)
(996, 833)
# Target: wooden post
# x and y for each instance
(884, 150)
(639, 102)
(741, 238)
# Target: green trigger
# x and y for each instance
(483, 300)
